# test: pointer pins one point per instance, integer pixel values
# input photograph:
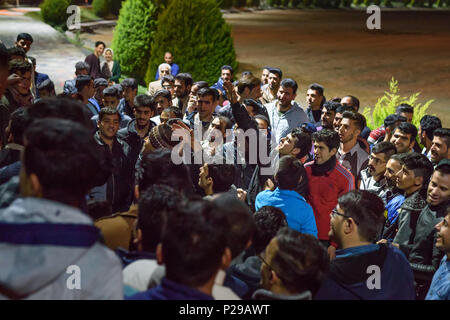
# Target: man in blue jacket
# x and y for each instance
(363, 270)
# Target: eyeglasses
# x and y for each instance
(376, 160)
(334, 212)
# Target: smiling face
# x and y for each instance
(439, 149)
(23, 86)
(443, 235)
(99, 50)
(168, 58)
(108, 55)
(402, 141)
(109, 126)
(226, 75)
(393, 168)
(438, 189)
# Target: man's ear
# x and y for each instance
(159, 254)
(138, 237)
(333, 151)
(226, 259)
(35, 185)
(136, 192)
(274, 279)
(418, 181)
(295, 152)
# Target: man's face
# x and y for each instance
(313, 99)
(336, 225)
(321, 152)
(348, 130)
(256, 93)
(408, 116)
(161, 104)
(168, 58)
(109, 125)
(347, 101)
(170, 87)
(402, 141)
(393, 168)
(110, 101)
(274, 81)
(23, 86)
(142, 115)
(285, 96)
(129, 93)
(439, 149)
(265, 76)
(226, 75)
(443, 234)
(327, 118)
(180, 89)
(286, 145)
(337, 121)
(24, 44)
(206, 106)
(271, 251)
(406, 179)
(438, 189)
(377, 164)
(163, 71)
(99, 50)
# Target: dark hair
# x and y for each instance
(4, 56)
(420, 165)
(233, 218)
(97, 43)
(168, 78)
(19, 66)
(332, 106)
(301, 262)
(228, 123)
(156, 203)
(398, 157)
(129, 83)
(80, 66)
(19, 122)
(302, 141)
(367, 210)
(164, 93)
(222, 176)
(157, 167)
(227, 67)
(111, 92)
(56, 150)
(201, 84)
(268, 221)
(203, 92)
(144, 101)
(408, 128)
(329, 137)
(277, 72)
(289, 172)
(252, 103)
(176, 110)
(82, 81)
(317, 87)
(341, 109)
(443, 133)
(47, 84)
(429, 124)
(391, 121)
(443, 166)
(355, 101)
(386, 147)
(289, 83)
(98, 208)
(108, 111)
(249, 82)
(192, 247)
(357, 117)
(404, 108)
(185, 77)
(16, 51)
(24, 36)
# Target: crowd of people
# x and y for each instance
(95, 204)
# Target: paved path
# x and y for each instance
(55, 56)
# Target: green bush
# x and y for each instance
(254, 3)
(133, 35)
(103, 8)
(387, 104)
(54, 12)
(225, 4)
(198, 37)
(295, 3)
(239, 3)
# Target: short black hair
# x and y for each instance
(19, 123)
(222, 176)
(331, 106)
(386, 147)
(164, 93)
(203, 92)
(443, 166)
(156, 203)
(233, 218)
(289, 83)
(168, 78)
(366, 209)
(443, 133)
(329, 137)
(55, 150)
(303, 141)
(357, 117)
(24, 36)
(227, 67)
(201, 84)
(80, 66)
(186, 78)
(108, 111)
(82, 81)
(429, 124)
(317, 87)
(249, 82)
(47, 84)
(391, 121)
(192, 248)
(97, 43)
(16, 51)
(111, 92)
(19, 66)
(129, 83)
(98, 208)
(420, 165)
(408, 128)
(157, 167)
(341, 109)
(276, 71)
(4, 56)
(289, 172)
(301, 262)
(355, 101)
(268, 221)
(404, 108)
(144, 101)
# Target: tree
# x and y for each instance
(198, 37)
(134, 34)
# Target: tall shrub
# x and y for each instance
(387, 104)
(103, 8)
(134, 34)
(54, 12)
(197, 35)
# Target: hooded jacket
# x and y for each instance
(45, 245)
(131, 136)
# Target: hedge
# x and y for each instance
(103, 8)
(54, 12)
(197, 35)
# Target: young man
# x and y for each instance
(270, 90)
(183, 84)
(85, 87)
(299, 213)
(162, 100)
(96, 101)
(404, 137)
(265, 75)
(384, 133)
(81, 68)
(327, 180)
(174, 68)
(24, 41)
(284, 113)
(226, 75)
(405, 110)
(440, 148)
(428, 124)
(126, 105)
(329, 110)
(111, 99)
(48, 222)
(217, 178)
(338, 116)
(354, 225)
(94, 60)
(315, 100)
(207, 102)
(293, 267)
(350, 153)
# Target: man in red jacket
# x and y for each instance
(327, 181)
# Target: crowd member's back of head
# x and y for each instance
(97, 209)
(158, 168)
(289, 173)
(81, 67)
(268, 221)
(16, 53)
(303, 142)
(19, 123)
(156, 203)
(222, 176)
